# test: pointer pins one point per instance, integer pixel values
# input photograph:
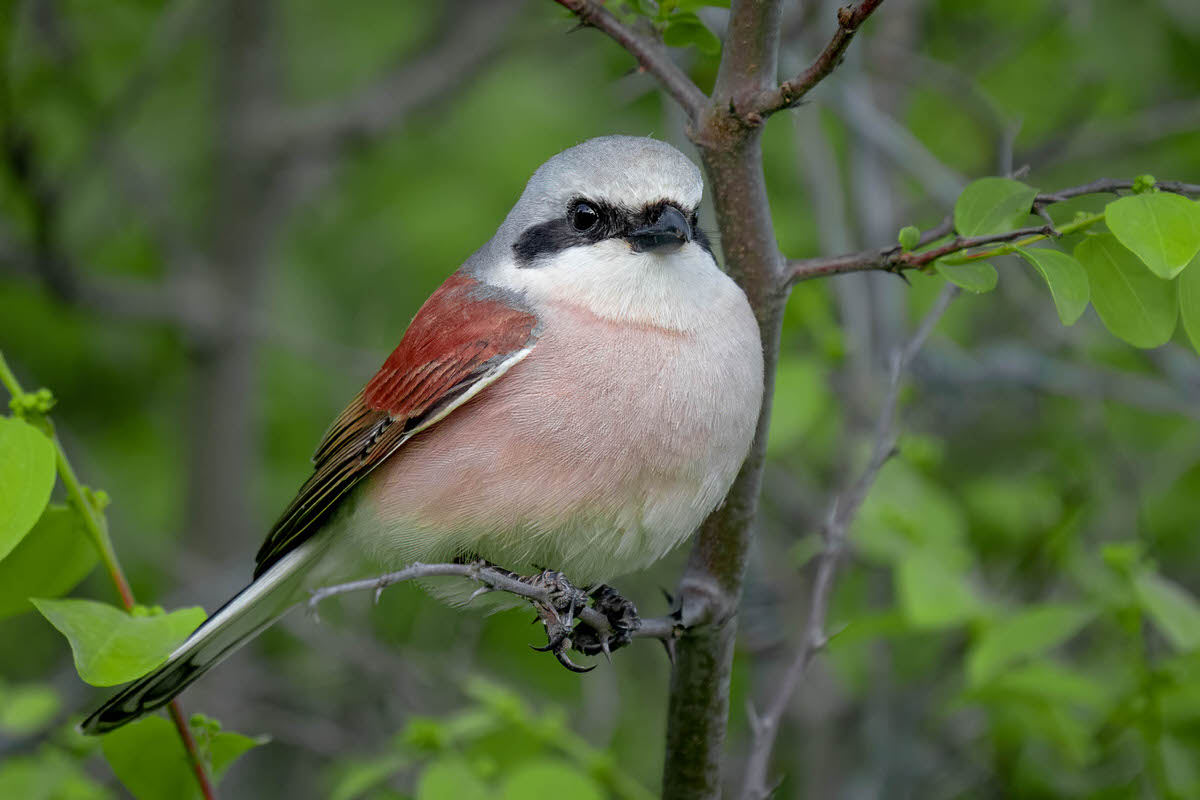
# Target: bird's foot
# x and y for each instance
(557, 615)
(622, 616)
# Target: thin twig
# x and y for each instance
(492, 578)
(790, 93)
(1110, 185)
(653, 56)
(841, 513)
(894, 259)
(97, 528)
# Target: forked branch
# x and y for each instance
(790, 93)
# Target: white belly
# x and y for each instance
(602, 450)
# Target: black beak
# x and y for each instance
(667, 235)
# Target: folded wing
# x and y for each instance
(465, 336)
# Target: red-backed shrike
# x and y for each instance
(579, 395)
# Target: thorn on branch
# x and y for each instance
(1040, 210)
(669, 646)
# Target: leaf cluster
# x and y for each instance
(1136, 275)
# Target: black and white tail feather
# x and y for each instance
(237, 622)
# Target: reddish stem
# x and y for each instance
(189, 744)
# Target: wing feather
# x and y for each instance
(464, 338)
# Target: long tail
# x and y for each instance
(238, 621)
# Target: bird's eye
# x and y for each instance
(584, 217)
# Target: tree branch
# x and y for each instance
(652, 56)
(790, 93)
(494, 579)
(841, 513)
(894, 259)
(711, 585)
(749, 58)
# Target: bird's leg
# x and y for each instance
(557, 614)
(622, 615)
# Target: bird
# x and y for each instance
(579, 395)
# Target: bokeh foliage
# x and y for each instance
(1019, 615)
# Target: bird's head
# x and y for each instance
(611, 225)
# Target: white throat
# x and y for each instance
(677, 291)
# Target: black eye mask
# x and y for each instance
(612, 222)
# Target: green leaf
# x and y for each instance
(227, 747)
(148, 757)
(1066, 278)
(974, 276)
(1189, 301)
(1175, 612)
(933, 594)
(27, 709)
(26, 478)
(49, 562)
(685, 28)
(1028, 633)
(111, 646)
(217, 748)
(1162, 229)
(1133, 304)
(992, 205)
(450, 779)
(909, 237)
(532, 778)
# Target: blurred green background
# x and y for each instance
(217, 218)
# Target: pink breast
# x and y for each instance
(593, 419)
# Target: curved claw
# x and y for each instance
(569, 664)
(554, 644)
